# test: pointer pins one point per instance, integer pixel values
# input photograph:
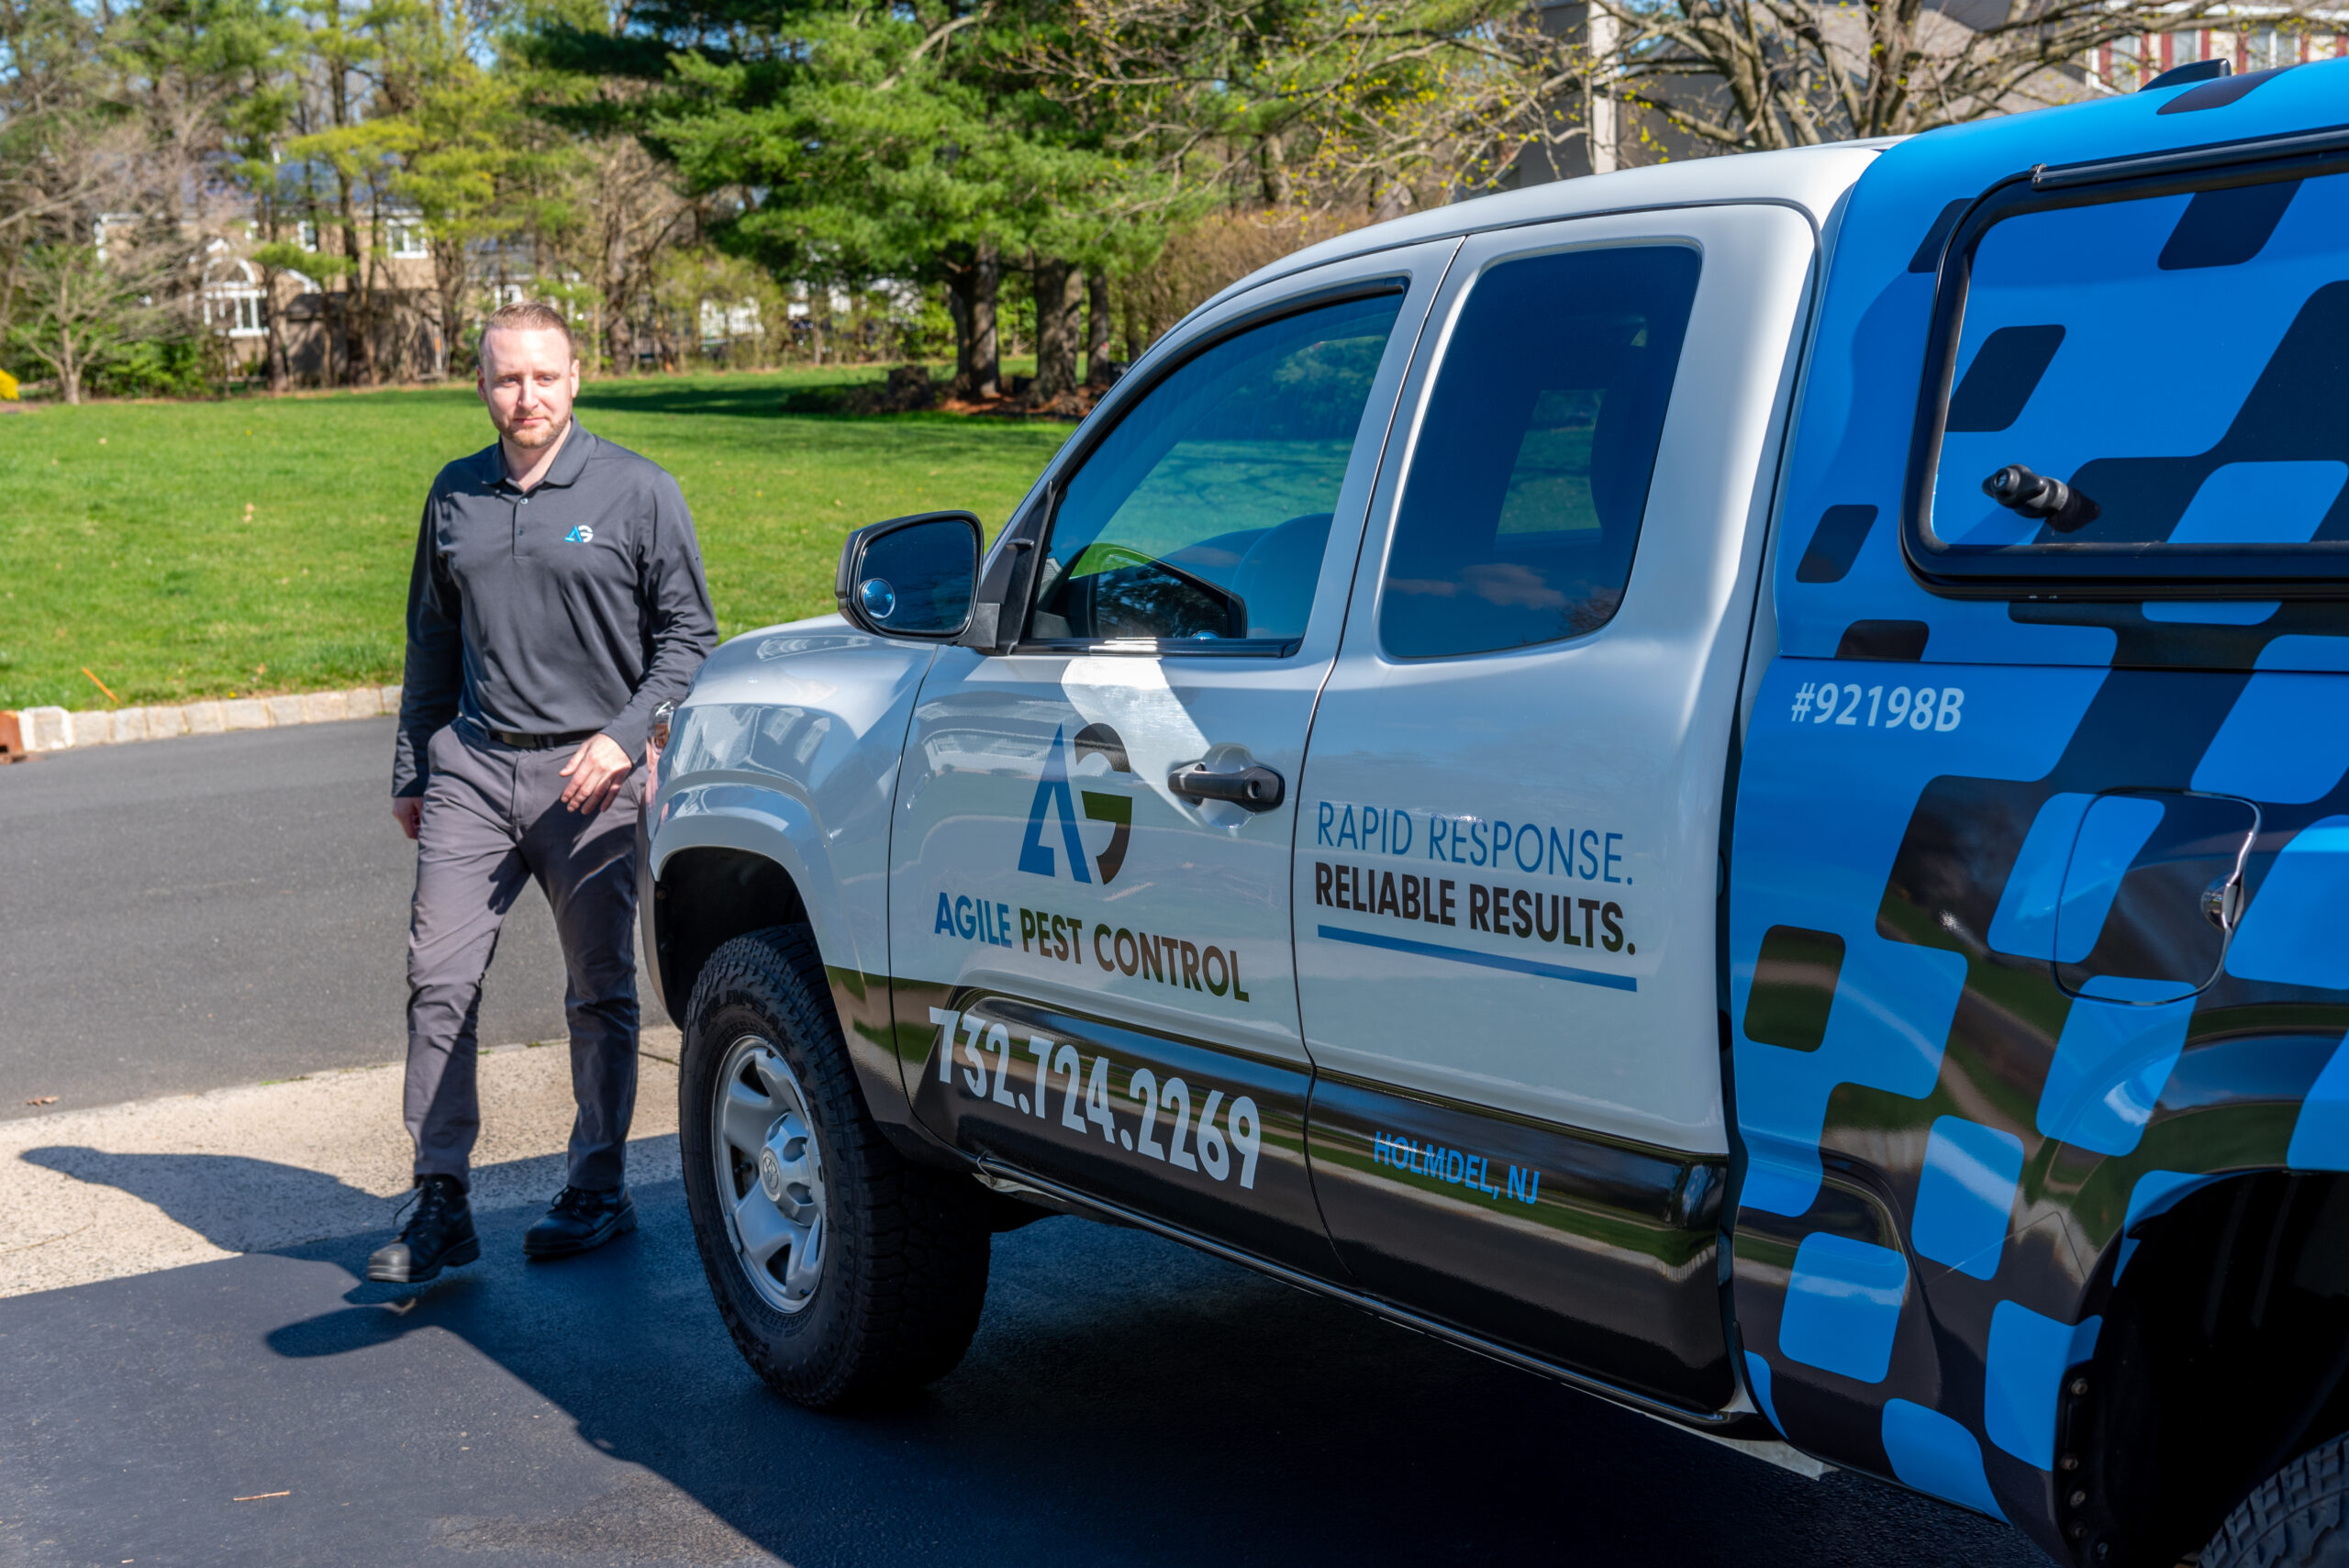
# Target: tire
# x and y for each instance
(845, 1273)
(2297, 1515)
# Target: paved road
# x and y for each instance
(1126, 1402)
(208, 911)
(190, 914)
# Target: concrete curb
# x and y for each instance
(55, 729)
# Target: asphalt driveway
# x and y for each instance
(220, 1387)
(184, 914)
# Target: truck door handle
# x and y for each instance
(1250, 789)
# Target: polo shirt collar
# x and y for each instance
(569, 463)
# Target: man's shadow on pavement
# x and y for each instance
(1121, 1390)
(244, 1205)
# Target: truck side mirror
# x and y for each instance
(910, 577)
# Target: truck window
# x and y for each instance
(1203, 515)
(2156, 370)
(1523, 506)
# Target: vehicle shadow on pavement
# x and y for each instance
(1127, 1401)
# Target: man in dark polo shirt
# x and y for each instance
(557, 607)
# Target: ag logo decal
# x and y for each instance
(1053, 797)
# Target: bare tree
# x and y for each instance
(78, 303)
(1380, 104)
(66, 155)
(1377, 106)
(616, 214)
(1731, 76)
(1202, 259)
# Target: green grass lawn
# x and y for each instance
(196, 550)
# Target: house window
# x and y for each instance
(405, 238)
(2185, 48)
(307, 236)
(234, 310)
(2115, 64)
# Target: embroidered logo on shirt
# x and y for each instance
(583, 534)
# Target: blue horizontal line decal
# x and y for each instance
(1489, 960)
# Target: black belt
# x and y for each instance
(537, 742)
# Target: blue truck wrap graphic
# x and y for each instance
(1982, 1025)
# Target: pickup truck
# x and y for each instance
(1724, 783)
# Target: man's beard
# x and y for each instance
(536, 436)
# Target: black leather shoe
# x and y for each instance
(580, 1221)
(439, 1235)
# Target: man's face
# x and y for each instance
(528, 379)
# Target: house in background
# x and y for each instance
(384, 313)
(1623, 136)
(2255, 44)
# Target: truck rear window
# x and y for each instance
(1530, 478)
(2173, 354)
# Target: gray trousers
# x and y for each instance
(492, 819)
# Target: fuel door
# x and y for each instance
(2149, 895)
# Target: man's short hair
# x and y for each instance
(530, 315)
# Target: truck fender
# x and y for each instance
(708, 878)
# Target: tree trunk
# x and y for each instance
(1060, 290)
(448, 271)
(1136, 332)
(619, 283)
(958, 311)
(1096, 328)
(1271, 170)
(273, 352)
(986, 342)
(978, 371)
(331, 316)
(358, 356)
(358, 353)
(618, 342)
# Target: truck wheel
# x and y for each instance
(2295, 1516)
(844, 1272)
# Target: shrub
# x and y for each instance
(191, 365)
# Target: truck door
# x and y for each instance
(1090, 866)
(1509, 819)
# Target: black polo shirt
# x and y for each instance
(577, 604)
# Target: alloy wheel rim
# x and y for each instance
(770, 1174)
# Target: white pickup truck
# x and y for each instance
(1724, 783)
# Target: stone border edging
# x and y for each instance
(56, 729)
